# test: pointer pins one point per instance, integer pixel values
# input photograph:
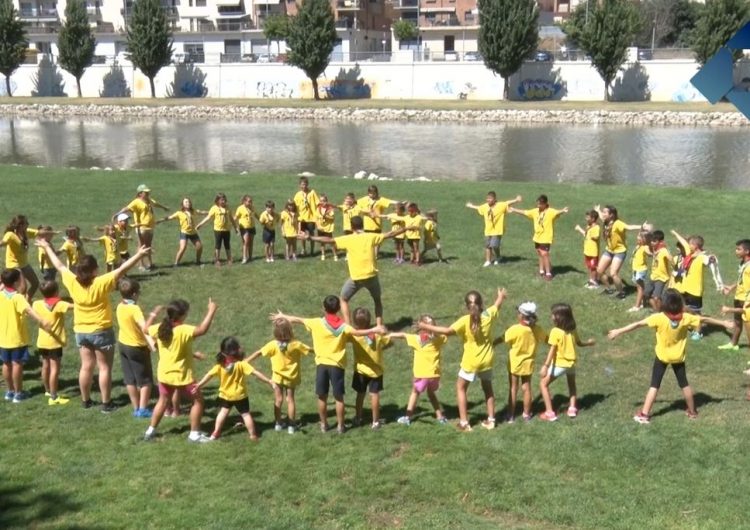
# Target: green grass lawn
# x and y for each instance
(66, 467)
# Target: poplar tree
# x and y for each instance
(717, 22)
(76, 43)
(13, 42)
(149, 39)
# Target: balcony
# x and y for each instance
(39, 14)
(406, 4)
(345, 23)
(170, 11)
(94, 14)
(234, 25)
(347, 5)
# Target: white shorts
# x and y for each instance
(557, 371)
(485, 375)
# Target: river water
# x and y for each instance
(670, 156)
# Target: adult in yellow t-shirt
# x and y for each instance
(615, 232)
(142, 210)
(185, 216)
(306, 200)
(92, 318)
(16, 243)
(361, 249)
(493, 213)
(543, 218)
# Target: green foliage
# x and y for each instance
(656, 22)
(405, 30)
(76, 42)
(611, 28)
(149, 39)
(508, 35)
(684, 17)
(276, 27)
(13, 42)
(717, 22)
(311, 38)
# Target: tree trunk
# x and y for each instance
(153, 90)
(78, 85)
(606, 90)
(506, 88)
(7, 86)
(315, 88)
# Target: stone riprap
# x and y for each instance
(247, 113)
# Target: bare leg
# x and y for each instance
(358, 405)
(489, 397)
(687, 392)
(8, 376)
(544, 387)
(614, 272)
(220, 419)
(104, 364)
(412, 404)
(278, 399)
(526, 387)
(345, 311)
(145, 396)
(649, 401)
(375, 404)
(17, 369)
(323, 409)
(180, 251)
(247, 419)
(46, 361)
(291, 405)
(54, 375)
(435, 404)
(32, 282)
(133, 395)
(161, 406)
(461, 401)
(512, 393)
(340, 411)
(572, 390)
(86, 374)
(196, 412)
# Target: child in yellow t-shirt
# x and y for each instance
(348, 209)
(661, 270)
(245, 216)
(426, 369)
(522, 339)
(672, 326)
(640, 268)
(72, 247)
(185, 216)
(50, 344)
(224, 224)
(413, 222)
(475, 331)
(543, 218)
(285, 353)
(561, 359)
(398, 222)
(48, 270)
(591, 235)
(431, 236)
(232, 370)
(493, 212)
(325, 215)
(109, 243)
(269, 219)
(289, 229)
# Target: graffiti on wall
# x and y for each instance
(444, 88)
(538, 89)
(273, 90)
(687, 92)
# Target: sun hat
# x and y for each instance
(143, 189)
(527, 309)
(123, 217)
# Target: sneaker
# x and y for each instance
(548, 416)
(340, 429)
(572, 412)
(376, 425)
(9, 395)
(496, 262)
(404, 420)
(443, 421)
(268, 260)
(607, 291)
(487, 264)
(47, 394)
(696, 335)
(322, 257)
(87, 404)
(642, 418)
(691, 415)
(464, 427)
(59, 400)
(271, 259)
(148, 437)
(144, 413)
(291, 429)
(108, 407)
(335, 257)
(548, 277)
(215, 435)
(357, 422)
(634, 309)
(488, 424)
(245, 261)
(729, 346)
(510, 419)
(200, 439)
(20, 396)
(323, 427)
(527, 417)
(278, 427)
(621, 295)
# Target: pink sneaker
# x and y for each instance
(572, 412)
(548, 416)
(642, 418)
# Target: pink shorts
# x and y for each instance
(591, 262)
(185, 390)
(426, 383)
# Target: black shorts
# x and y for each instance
(247, 231)
(136, 365)
(48, 275)
(363, 383)
(654, 289)
(329, 376)
(221, 237)
(193, 238)
(54, 353)
(543, 246)
(124, 256)
(657, 373)
(694, 304)
(308, 227)
(348, 232)
(325, 234)
(738, 304)
(242, 405)
(269, 236)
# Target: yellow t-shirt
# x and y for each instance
(244, 216)
(232, 385)
(143, 212)
(426, 355)
(347, 213)
(324, 219)
(591, 241)
(397, 223)
(692, 278)
(746, 314)
(360, 253)
(478, 352)
(16, 252)
(494, 218)
(220, 216)
(288, 224)
(640, 258)
(368, 354)
(285, 359)
(671, 339)
(329, 343)
(14, 331)
(565, 357)
(175, 365)
(616, 237)
(92, 311)
(268, 220)
(128, 316)
(414, 224)
(187, 224)
(378, 206)
(56, 316)
(544, 224)
(431, 236)
(122, 234)
(523, 342)
(743, 282)
(661, 266)
(44, 262)
(307, 204)
(73, 251)
(110, 248)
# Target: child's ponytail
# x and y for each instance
(474, 305)
(176, 311)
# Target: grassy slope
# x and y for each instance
(67, 467)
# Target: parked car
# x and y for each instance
(266, 58)
(543, 56)
(473, 56)
(645, 55)
(451, 56)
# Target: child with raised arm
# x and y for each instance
(142, 209)
(431, 236)
(185, 216)
(591, 235)
(639, 265)
(223, 222)
(122, 233)
(543, 218)
(72, 247)
(16, 243)
(269, 219)
(348, 209)
(425, 370)
(493, 213)
(50, 344)
(49, 272)
(522, 339)
(330, 335)
(325, 215)
(371, 209)
(135, 348)
(476, 332)
(561, 359)
(245, 216)
(232, 371)
(285, 353)
(289, 232)
(174, 342)
(615, 249)
(398, 222)
(306, 200)
(109, 244)
(14, 333)
(672, 325)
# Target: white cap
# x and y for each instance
(123, 217)
(527, 309)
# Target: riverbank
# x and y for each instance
(583, 113)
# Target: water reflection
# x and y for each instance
(706, 157)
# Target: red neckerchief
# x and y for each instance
(51, 302)
(10, 290)
(334, 320)
(658, 246)
(687, 261)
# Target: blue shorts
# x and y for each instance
(193, 238)
(14, 355)
(99, 340)
(615, 255)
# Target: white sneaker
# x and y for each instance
(291, 429)
(200, 439)
(634, 309)
(404, 420)
(278, 427)
(487, 264)
(244, 261)
(496, 262)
